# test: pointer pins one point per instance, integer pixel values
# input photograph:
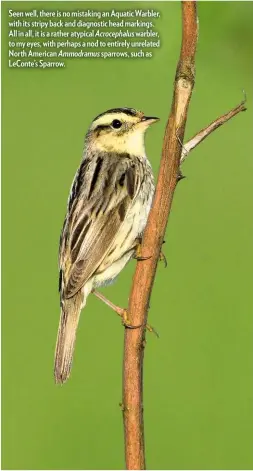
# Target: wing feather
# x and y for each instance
(102, 193)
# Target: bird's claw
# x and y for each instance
(162, 258)
(141, 259)
(152, 330)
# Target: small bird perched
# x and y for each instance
(107, 212)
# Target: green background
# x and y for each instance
(198, 376)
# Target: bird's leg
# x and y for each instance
(122, 313)
(119, 310)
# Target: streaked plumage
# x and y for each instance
(108, 206)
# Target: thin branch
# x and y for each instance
(152, 241)
(201, 135)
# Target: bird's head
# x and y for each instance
(119, 130)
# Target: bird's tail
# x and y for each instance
(70, 313)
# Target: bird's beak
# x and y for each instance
(147, 120)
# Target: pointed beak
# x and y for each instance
(149, 120)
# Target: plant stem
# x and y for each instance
(152, 241)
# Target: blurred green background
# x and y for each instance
(198, 376)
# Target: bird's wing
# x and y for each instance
(102, 193)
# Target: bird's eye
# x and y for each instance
(116, 124)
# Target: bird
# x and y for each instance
(107, 211)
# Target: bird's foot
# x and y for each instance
(126, 322)
(138, 254)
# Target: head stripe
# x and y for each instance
(128, 111)
(106, 119)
